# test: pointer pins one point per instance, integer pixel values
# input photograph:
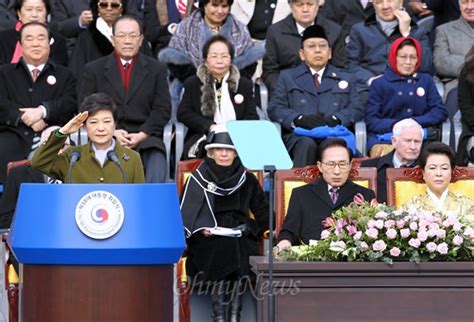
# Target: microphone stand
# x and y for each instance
(271, 296)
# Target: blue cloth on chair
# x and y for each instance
(323, 132)
(387, 137)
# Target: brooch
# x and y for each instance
(211, 186)
(126, 157)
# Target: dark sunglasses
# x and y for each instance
(105, 5)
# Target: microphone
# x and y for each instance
(75, 156)
(112, 156)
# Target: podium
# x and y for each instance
(97, 252)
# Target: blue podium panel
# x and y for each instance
(52, 224)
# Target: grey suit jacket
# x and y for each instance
(453, 40)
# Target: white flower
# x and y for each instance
(313, 242)
(337, 246)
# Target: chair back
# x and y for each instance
(405, 183)
(287, 180)
(14, 164)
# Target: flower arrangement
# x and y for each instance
(365, 231)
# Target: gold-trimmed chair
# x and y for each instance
(287, 180)
(405, 183)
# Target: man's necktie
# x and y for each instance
(316, 80)
(126, 66)
(334, 193)
(34, 74)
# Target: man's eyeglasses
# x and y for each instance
(343, 165)
(105, 5)
(132, 37)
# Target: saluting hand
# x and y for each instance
(75, 123)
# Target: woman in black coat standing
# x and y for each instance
(215, 95)
(465, 152)
(218, 199)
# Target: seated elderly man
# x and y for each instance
(284, 40)
(34, 93)
(453, 40)
(406, 142)
(370, 40)
(327, 194)
(313, 94)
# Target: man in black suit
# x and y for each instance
(407, 140)
(138, 86)
(34, 93)
(312, 203)
(19, 175)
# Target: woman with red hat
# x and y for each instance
(403, 92)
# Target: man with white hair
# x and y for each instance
(406, 140)
(23, 174)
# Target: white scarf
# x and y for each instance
(225, 110)
(104, 28)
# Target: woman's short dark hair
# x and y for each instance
(437, 148)
(330, 143)
(406, 42)
(98, 102)
(202, 3)
(95, 10)
(19, 4)
(214, 39)
(34, 23)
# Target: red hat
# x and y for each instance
(392, 57)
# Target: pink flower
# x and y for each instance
(457, 226)
(400, 223)
(434, 226)
(458, 240)
(359, 199)
(379, 224)
(405, 232)
(325, 234)
(329, 222)
(371, 223)
(422, 235)
(413, 225)
(431, 247)
(432, 232)
(389, 223)
(414, 242)
(351, 229)
(395, 252)
(441, 233)
(372, 233)
(364, 246)
(391, 233)
(469, 232)
(374, 203)
(381, 215)
(358, 235)
(340, 223)
(442, 248)
(379, 246)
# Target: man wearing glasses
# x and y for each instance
(314, 202)
(138, 86)
(313, 94)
